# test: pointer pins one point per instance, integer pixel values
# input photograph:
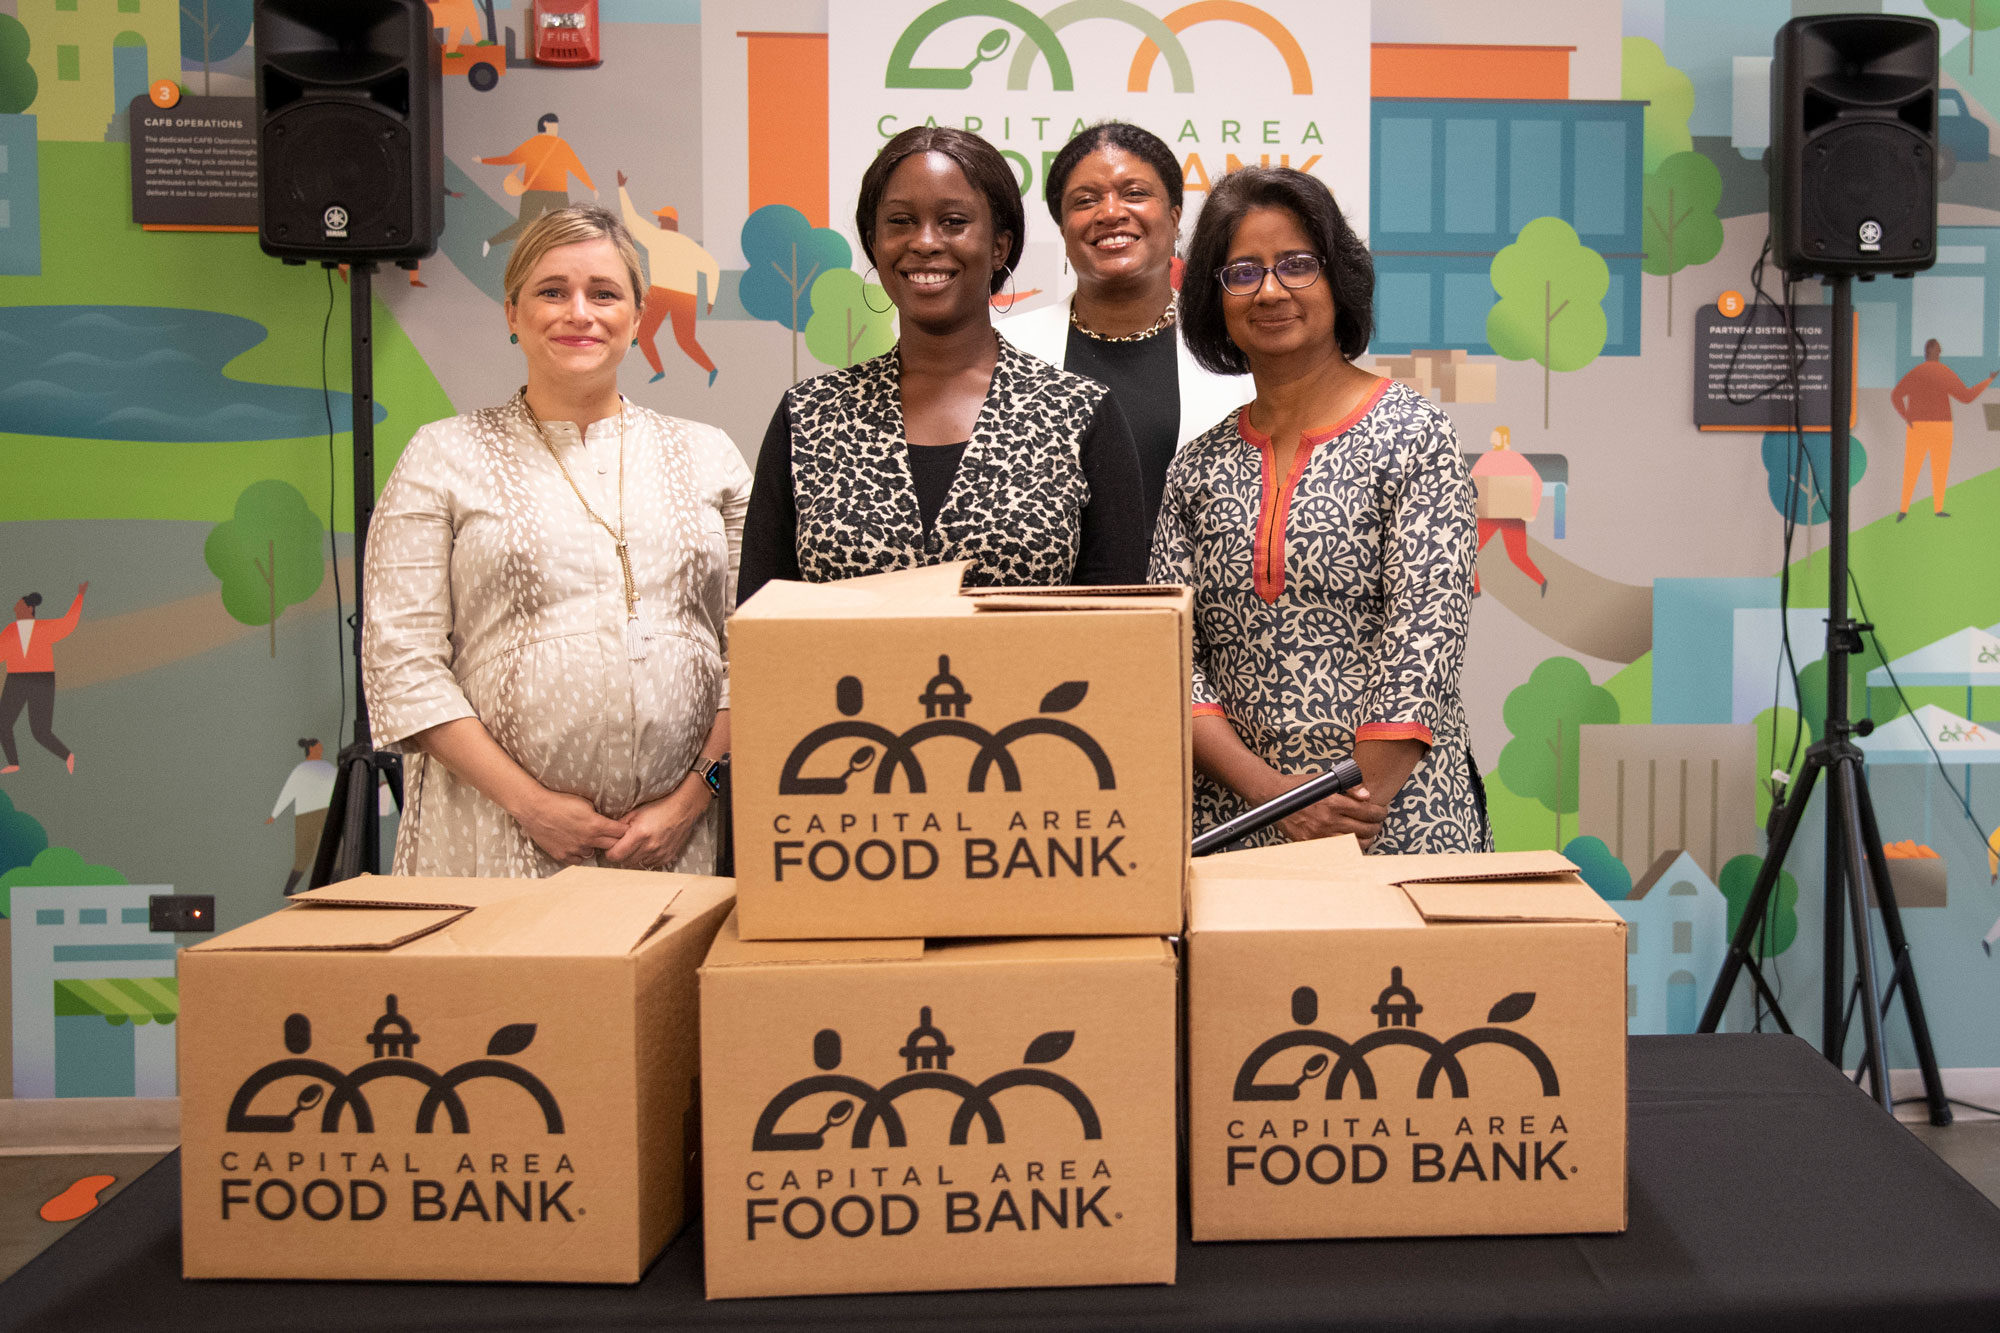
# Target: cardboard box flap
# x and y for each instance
(1552, 898)
(416, 891)
(1465, 866)
(732, 950)
(1123, 597)
(584, 920)
(1050, 949)
(1261, 903)
(931, 590)
(1318, 856)
(337, 927)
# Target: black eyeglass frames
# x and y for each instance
(1243, 278)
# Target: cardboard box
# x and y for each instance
(896, 1115)
(1404, 1046)
(1507, 497)
(1476, 382)
(912, 761)
(457, 1079)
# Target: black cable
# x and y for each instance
(332, 507)
(1970, 1106)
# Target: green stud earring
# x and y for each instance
(513, 337)
(635, 342)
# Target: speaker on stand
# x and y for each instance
(350, 160)
(1853, 193)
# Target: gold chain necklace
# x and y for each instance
(617, 534)
(1166, 318)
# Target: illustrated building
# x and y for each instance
(92, 57)
(94, 993)
(20, 199)
(1644, 789)
(926, 1047)
(1677, 925)
(392, 1036)
(946, 695)
(1397, 1006)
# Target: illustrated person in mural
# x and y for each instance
(1923, 399)
(1510, 494)
(1115, 191)
(308, 790)
(954, 444)
(27, 651)
(546, 589)
(1327, 532)
(546, 162)
(673, 262)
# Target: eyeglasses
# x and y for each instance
(1244, 278)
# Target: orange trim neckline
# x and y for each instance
(1268, 575)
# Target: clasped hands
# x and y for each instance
(649, 837)
(1353, 811)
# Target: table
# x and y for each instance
(1767, 1193)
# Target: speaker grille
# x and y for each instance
(338, 155)
(1868, 171)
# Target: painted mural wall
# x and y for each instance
(176, 477)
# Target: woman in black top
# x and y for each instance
(1115, 190)
(953, 445)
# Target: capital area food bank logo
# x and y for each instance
(1396, 1011)
(1159, 39)
(334, 1092)
(945, 701)
(927, 1057)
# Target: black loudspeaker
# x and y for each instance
(350, 133)
(1854, 144)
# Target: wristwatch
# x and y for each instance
(715, 772)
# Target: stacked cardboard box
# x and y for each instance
(445, 1079)
(938, 1039)
(1448, 375)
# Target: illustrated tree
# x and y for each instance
(18, 83)
(1551, 309)
(1645, 76)
(1600, 869)
(53, 867)
(1543, 716)
(216, 28)
(268, 556)
(1781, 927)
(1777, 728)
(1976, 17)
(786, 255)
(850, 321)
(1681, 224)
(22, 837)
(1798, 480)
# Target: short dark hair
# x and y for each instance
(985, 170)
(550, 119)
(32, 600)
(1143, 144)
(1349, 271)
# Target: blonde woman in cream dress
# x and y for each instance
(546, 588)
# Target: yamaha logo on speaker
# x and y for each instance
(336, 220)
(1871, 235)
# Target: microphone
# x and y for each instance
(1344, 775)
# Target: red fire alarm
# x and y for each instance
(566, 32)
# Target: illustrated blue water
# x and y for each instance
(145, 373)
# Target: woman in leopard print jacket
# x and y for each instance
(953, 445)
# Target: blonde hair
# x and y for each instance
(567, 226)
(1506, 437)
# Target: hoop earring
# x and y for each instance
(1012, 297)
(864, 295)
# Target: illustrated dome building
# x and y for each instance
(1397, 1006)
(945, 696)
(926, 1047)
(393, 1035)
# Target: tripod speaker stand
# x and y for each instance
(1856, 869)
(350, 844)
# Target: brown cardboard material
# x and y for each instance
(913, 761)
(445, 1079)
(903, 1115)
(1506, 497)
(1404, 1046)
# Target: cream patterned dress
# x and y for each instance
(491, 594)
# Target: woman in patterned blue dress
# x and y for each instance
(1327, 530)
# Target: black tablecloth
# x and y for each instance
(1767, 1194)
